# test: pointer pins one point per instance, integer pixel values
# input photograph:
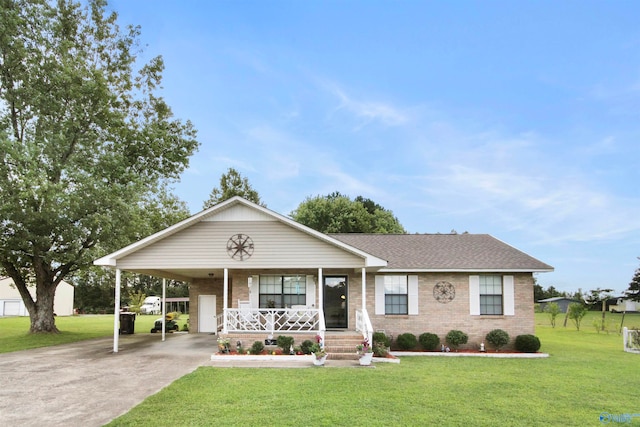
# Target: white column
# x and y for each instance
(364, 289)
(164, 308)
(225, 300)
(116, 313)
(320, 291)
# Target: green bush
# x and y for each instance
(406, 341)
(497, 338)
(257, 347)
(305, 347)
(527, 343)
(381, 337)
(456, 338)
(285, 343)
(429, 341)
(380, 350)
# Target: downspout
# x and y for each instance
(116, 312)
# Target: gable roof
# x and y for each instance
(444, 252)
(219, 210)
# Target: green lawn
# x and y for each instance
(14, 331)
(586, 375)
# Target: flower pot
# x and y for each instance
(319, 361)
(365, 359)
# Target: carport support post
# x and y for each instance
(164, 307)
(116, 311)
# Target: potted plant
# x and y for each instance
(365, 351)
(319, 353)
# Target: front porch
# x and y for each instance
(245, 325)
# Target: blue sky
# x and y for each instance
(520, 119)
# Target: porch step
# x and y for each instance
(339, 345)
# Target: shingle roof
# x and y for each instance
(449, 252)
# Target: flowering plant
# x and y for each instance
(223, 344)
(318, 349)
(364, 347)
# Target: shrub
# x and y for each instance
(456, 338)
(497, 338)
(257, 347)
(379, 349)
(527, 343)
(285, 343)
(305, 347)
(381, 337)
(406, 341)
(429, 341)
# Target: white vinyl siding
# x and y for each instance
(276, 245)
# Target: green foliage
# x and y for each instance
(135, 301)
(379, 349)
(576, 312)
(86, 143)
(633, 292)
(497, 338)
(382, 338)
(552, 309)
(305, 347)
(429, 341)
(337, 213)
(456, 338)
(406, 341)
(257, 347)
(285, 343)
(527, 343)
(232, 184)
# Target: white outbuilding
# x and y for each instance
(11, 303)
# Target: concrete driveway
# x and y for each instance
(86, 384)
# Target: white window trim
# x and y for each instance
(508, 296)
(412, 295)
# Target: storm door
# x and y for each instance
(335, 302)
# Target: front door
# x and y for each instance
(335, 302)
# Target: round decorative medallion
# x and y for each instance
(444, 292)
(240, 247)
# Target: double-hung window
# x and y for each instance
(491, 294)
(396, 299)
(282, 291)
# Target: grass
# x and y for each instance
(586, 375)
(14, 331)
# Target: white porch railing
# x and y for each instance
(363, 324)
(631, 340)
(271, 320)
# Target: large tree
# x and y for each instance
(85, 139)
(232, 184)
(337, 213)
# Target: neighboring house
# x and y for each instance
(253, 271)
(11, 303)
(622, 304)
(563, 303)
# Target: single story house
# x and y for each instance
(11, 303)
(253, 271)
(622, 304)
(563, 303)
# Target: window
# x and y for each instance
(396, 295)
(282, 291)
(491, 295)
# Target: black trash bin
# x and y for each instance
(127, 323)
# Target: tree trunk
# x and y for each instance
(42, 317)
